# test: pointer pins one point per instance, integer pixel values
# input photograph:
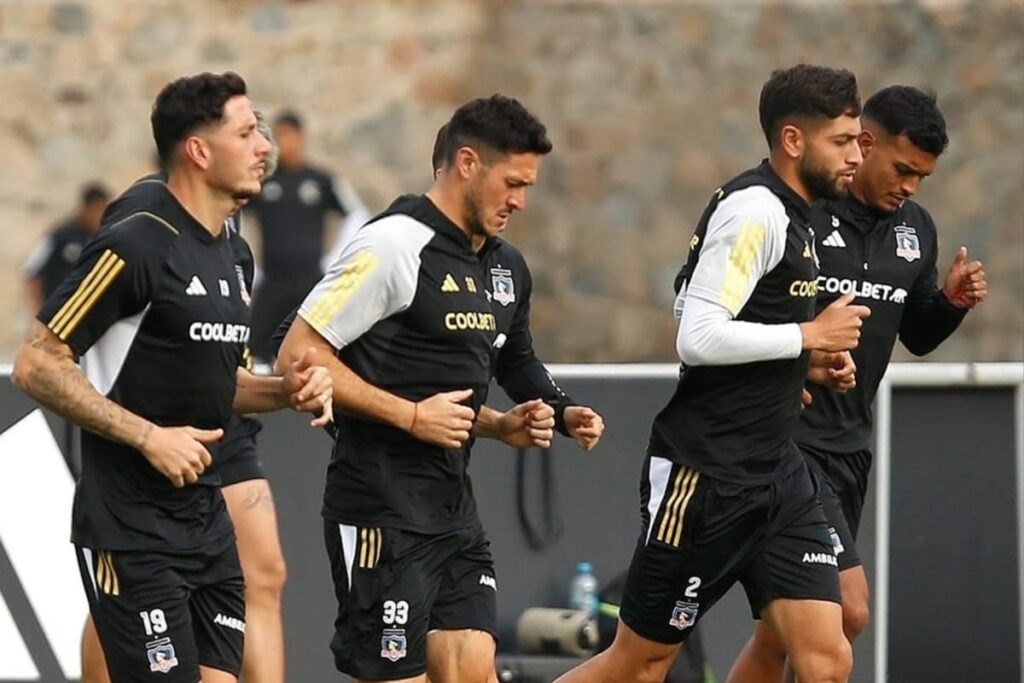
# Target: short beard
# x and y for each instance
(473, 213)
(819, 181)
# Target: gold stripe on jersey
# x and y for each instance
(380, 544)
(362, 548)
(737, 274)
(247, 361)
(681, 517)
(352, 277)
(98, 279)
(91, 301)
(670, 505)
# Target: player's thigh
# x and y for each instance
(217, 604)
(809, 630)
(251, 507)
(139, 605)
(698, 533)
(463, 620)
(464, 656)
(212, 675)
(385, 582)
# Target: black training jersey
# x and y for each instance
(155, 310)
(516, 367)
(753, 254)
(292, 208)
(405, 306)
(55, 256)
(150, 193)
(508, 286)
(888, 261)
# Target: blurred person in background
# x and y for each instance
(292, 212)
(879, 244)
(56, 254)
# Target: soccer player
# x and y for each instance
(246, 491)
(726, 496)
(156, 310)
(407, 315)
(879, 245)
(291, 212)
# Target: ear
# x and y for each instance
(867, 141)
(792, 141)
(197, 151)
(467, 161)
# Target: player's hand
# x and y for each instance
(443, 420)
(805, 398)
(178, 453)
(965, 286)
(528, 425)
(309, 388)
(837, 328)
(835, 370)
(585, 425)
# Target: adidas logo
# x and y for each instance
(195, 287)
(834, 240)
(449, 284)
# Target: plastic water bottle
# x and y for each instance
(583, 590)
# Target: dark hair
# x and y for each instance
(903, 110)
(93, 192)
(496, 124)
(437, 155)
(806, 91)
(189, 103)
(289, 118)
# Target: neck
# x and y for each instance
(449, 201)
(785, 168)
(857, 190)
(208, 207)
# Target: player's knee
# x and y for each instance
(831, 663)
(643, 667)
(856, 615)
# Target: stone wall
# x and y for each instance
(650, 105)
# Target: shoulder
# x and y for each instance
(148, 193)
(139, 234)
(917, 216)
(394, 233)
(752, 204)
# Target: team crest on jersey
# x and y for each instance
(504, 286)
(684, 615)
(241, 284)
(309, 192)
(393, 644)
(71, 252)
(908, 246)
(161, 655)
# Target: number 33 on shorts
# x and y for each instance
(396, 612)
